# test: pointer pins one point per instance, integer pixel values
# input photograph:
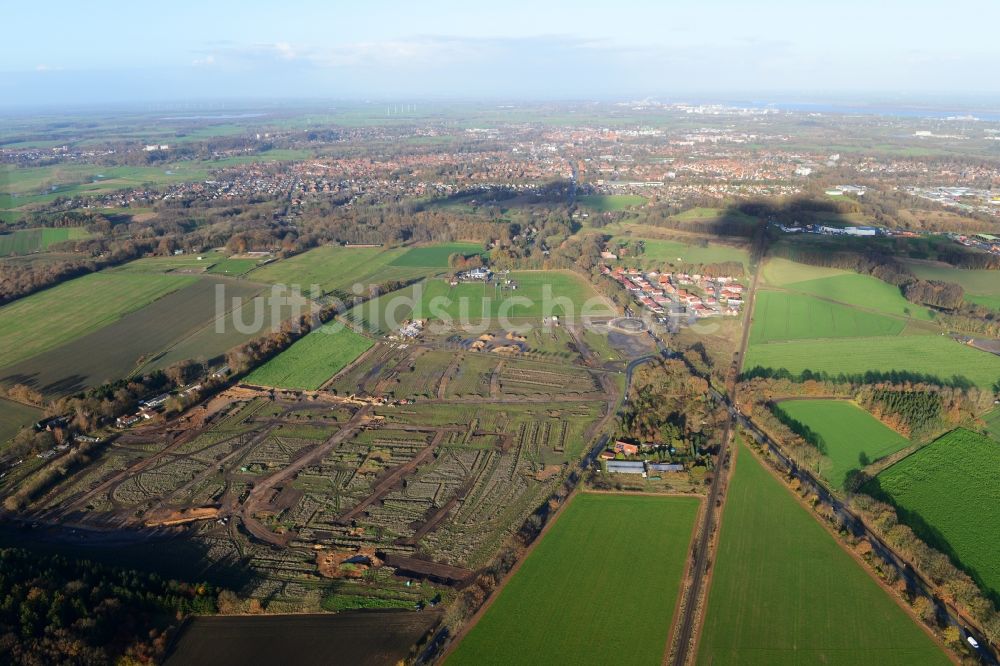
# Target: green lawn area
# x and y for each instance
(785, 592)
(931, 356)
(435, 299)
(312, 360)
(848, 436)
(663, 253)
(600, 588)
(13, 417)
(948, 493)
(792, 316)
(26, 241)
(337, 269)
(435, 256)
(604, 203)
(55, 316)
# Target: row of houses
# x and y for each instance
(657, 292)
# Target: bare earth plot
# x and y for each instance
(364, 639)
(784, 591)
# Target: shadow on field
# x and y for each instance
(166, 553)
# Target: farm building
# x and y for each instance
(665, 467)
(626, 467)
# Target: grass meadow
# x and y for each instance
(27, 241)
(864, 292)
(785, 592)
(337, 269)
(948, 493)
(312, 360)
(435, 256)
(983, 283)
(935, 358)
(848, 436)
(473, 302)
(791, 316)
(659, 254)
(600, 587)
(993, 423)
(13, 417)
(611, 203)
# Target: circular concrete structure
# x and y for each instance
(628, 325)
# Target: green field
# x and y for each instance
(233, 266)
(338, 269)
(981, 283)
(991, 302)
(13, 417)
(473, 302)
(778, 272)
(791, 316)
(932, 357)
(785, 592)
(609, 203)
(600, 588)
(662, 253)
(55, 316)
(312, 360)
(26, 241)
(180, 263)
(993, 423)
(948, 493)
(864, 292)
(32, 185)
(435, 256)
(849, 437)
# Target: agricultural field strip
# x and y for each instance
(138, 339)
(784, 315)
(851, 438)
(545, 615)
(785, 592)
(931, 357)
(52, 317)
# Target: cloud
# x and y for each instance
(42, 67)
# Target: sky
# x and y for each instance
(80, 53)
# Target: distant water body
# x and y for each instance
(938, 112)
